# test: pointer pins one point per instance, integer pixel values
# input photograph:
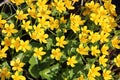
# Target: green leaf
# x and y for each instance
(91, 61)
(50, 72)
(34, 70)
(33, 60)
(49, 44)
(5, 64)
(35, 44)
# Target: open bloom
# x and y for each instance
(17, 76)
(93, 72)
(2, 52)
(20, 15)
(17, 64)
(107, 74)
(4, 73)
(82, 50)
(117, 60)
(56, 53)
(9, 29)
(39, 53)
(103, 60)
(61, 42)
(2, 21)
(72, 61)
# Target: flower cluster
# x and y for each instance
(49, 39)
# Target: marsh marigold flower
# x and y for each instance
(17, 2)
(94, 37)
(24, 45)
(43, 37)
(54, 23)
(107, 74)
(17, 76)
(60, 41)
(82, 50)
(17, 65)
(103, 60)
(72, 61)
(93, 72)
(26, 25)
(68, 4)
(117, 60)
(116, 42)
(20, 15)
(2, 21)
(104, 37)
(9, 29)
(15, 43)
(60, 5)
(95, 51)
(6, 42)
(38, 52)
(2, 52)
(56, 53)
(4, 73)
(104, 49)
(81, 77)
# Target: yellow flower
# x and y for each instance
(72, 61)
(26, 25)
(43, 12)
(95, 51)
(17, 2)
(54, 23)
(38, 29)
(68, 4)
(110, 8)
(2, 52)
(107, 74)
(20, 15)
(94, 37)
(83, 38)
(104, 49)
(92, 6)
(75, 21)
(42, 37)
(81, 77)
(93, 72)
(17, 76)
(42, 3)
(56, 53)
(2, 21)
(17, 65)
(117, 60)
(103, 37)
(6, 42)
(116, 42)
(25, 45)
(60, 5)
(103, 60)
(32, 12)
(75, 28)
(43, 22)
(62, 20)
(82, 50)
(9, 29)
(4, 73)
(33, 35)
(15, 44)
(60, 41)
(95, 17)
(39, 53)
(85, 30)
